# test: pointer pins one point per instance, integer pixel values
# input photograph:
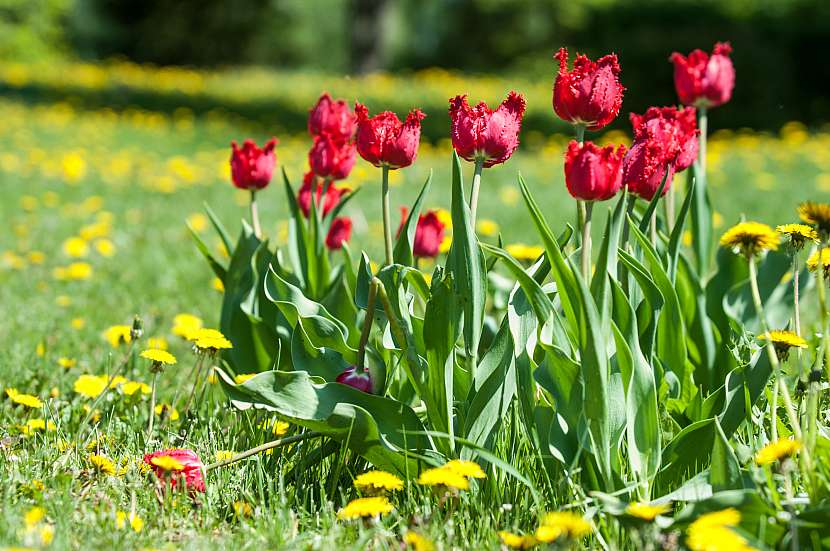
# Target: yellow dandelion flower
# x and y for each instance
(224, 455)
(33, 516)
(76, 271)
(798, 234)
(101, 464)
(517, 541)
(67, 363)
(90, 386)
(25, 400)
(167, 463)
(105, 247)
(365, 507)
(646, 511)
(75, 247)
(487, 228)
(441, 477)
(819, 258)
(418, 542)
(167, 410)
(198, 222)
(242, 509)
(185, 325)
(159, 343)
(528, 253)
(63, 301)
(469, 469)
(36, 257)
(77, 323)
(711, 532)
(817, 214)
(118, 335)
(750, 238)
(158, 356)
(378, 480)
(243, 377)
(33, 425)
(274, 426)
(562, 524)
(776, 451)
(783, 341)
(121, 519)
(210, 340)
(217, 285)
(131, 387)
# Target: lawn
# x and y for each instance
(115, 189)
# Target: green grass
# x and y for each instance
(157, 272)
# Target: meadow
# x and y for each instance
(96, 204)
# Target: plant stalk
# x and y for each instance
(255, 215)
(475, 190)
(387, 223)
(588, 207)
(112, 377)
(367, 323)
(264, 447)
(152, 407)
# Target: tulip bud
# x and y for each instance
(429, 233)
(703, 80)
(589, 94)
(339, 232)
(593, 173)
(478, 133)
(384, 140)
(171, 466)
(333, 118)
(333, 195)
(644, 167)
(330, 159)
(252, 167)
(356, 378)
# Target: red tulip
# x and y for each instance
(331, 117)
(356, 378)
(333, 195)
(330, 159)
(703, 80)
(429, 233)
(480, 133)
(675, 129)
(591, 93)
(384, 141)
(593, 173)
(252, 167)
(644, 167)
(339, 232)
(185, 466)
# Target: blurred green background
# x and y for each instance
(780, 45)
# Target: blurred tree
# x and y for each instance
(32, 30)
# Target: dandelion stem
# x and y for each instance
(255, 215)
(264, 447)
(588, 206)
(112, 377)
(475, 190)
(196, 366)
(367, 323)
(387, 222)
(152, 408)
(773, 356)
(193, 390)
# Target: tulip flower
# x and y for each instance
(332, 118)
(388, 143)
(675, 128)
(171, 466)
(333, 195)
(644, 167)
(331, 160)
(592, 174)
(339, 232)
(484, 136)
(251, 169)
(356, 378)
(590, 95)
(703, 80)
(429, 233)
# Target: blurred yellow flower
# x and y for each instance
(157, 342)
(158, 356)
(817, 214)
(167, 463)
(186, 325)
(562, 524)
(210, 340)
(105, 247)
(197, 221)
(517, 541)
(131, 387)
(121, 519)
(26, 400)
(528, 253)
(647, 511)
(487, 227)
(117, 335)
(378, 480)
(441, 477)
(418, 542)
(75, 247)
(77, 323)
(101, 464)
(90, 386)
(776, 451)
(712, 532)
(750, 238)
(165, 410)
(365, 507)
(67, 363)
(217, 285)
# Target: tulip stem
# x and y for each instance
(255, 215)
(367, 324)
(474, 191)
(387, 222)
(773, 359)
(264, 447)
(587, 208)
